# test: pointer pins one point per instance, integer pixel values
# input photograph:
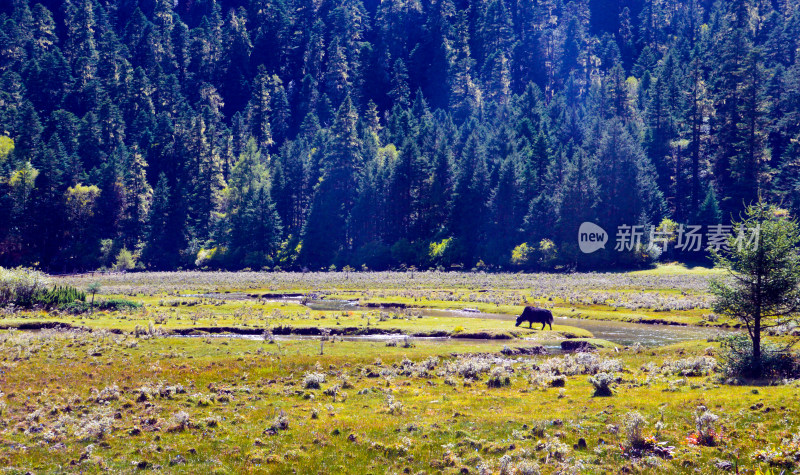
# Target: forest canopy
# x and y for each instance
(166, 134)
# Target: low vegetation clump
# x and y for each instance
(279, 423)
(705, 428)
(785, 455)
(639, 445)
(19, 286)
(28, 288)
(633, 423)
(106, 305)
(603, 384)
(313, 380)
(471, 367)
(694, 366)
(776, 361)
(580, 363)
(498, 377)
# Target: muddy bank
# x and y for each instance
(281, 331)
(60, 326)
(290, 330)
(343, 331)
(383, 305)
(524, 351)
(577, 346)
(277, 295)
(658, 321)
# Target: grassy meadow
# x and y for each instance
(121, 391)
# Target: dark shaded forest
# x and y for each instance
(282, 134)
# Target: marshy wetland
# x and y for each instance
(386, 373)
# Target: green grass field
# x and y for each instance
(119, 394)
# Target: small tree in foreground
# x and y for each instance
(93, 288)
(764, 273)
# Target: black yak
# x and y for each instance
(536, 315)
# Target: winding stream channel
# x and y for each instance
(622, 333)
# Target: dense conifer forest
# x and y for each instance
(166, 134)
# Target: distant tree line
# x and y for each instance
(304, 133)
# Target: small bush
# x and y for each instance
(180, 421)
(393, 406)
(21, 286)
(705, 433)
(736, 356)
(281, 422)
(109, 305)
(602, 384)
(117, 304)
(125, 261)
(498, 378)
(313, 380)
(697, 366)
(60, 295)
(556, 449)
(472, 366)
(633, 423)
(94, 426)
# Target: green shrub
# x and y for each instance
(736, 357)
(60, 295)
(125, 261)
(526, 256)
(522, 255)
(109, 305)
(603, 384)
(117, 304)
(447, 252)
(498, 378)
(27, 288)
(75, 308)
(20, 286)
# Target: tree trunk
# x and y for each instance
(757, 347)
(757, 320)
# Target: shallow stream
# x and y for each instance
(618, 332)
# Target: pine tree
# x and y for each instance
(138, 194)
(764, 290)
(337, 74)
(469, 210)
(576, 202)
(400, 93)
(255, 225)
(162, 239)
(281, 112)
(205, 173)
(464, 95)
(327, 231)
(260, 110)
(625, 180)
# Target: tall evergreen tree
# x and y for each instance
(327, 231)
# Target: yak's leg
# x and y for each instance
(551, 326)
(530, 324)
(543, 325)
